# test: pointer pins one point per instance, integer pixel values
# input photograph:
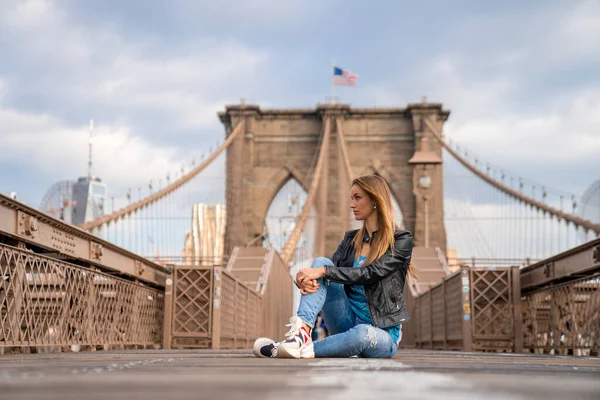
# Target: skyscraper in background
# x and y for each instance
(76, 202)
(89, 196)
(204, 245)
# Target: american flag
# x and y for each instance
(344, 77)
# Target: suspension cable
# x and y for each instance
(88, 226)
(289, 247)
(561, 215)
(344, 149)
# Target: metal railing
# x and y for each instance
(23, 225)
(580, 261)
(61, 286)
(46, 303)
(278, 298)
(210, 308)
(472, 309)
(474, 262)
(564, 319)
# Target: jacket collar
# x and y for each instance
(367, 239)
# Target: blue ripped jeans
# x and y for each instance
(349, 335)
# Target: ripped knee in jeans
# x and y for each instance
(371, 335)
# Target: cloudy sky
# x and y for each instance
(522, 79)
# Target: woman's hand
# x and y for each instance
(307, 279)
(309, 287)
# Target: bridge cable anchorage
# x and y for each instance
(289, 247)
(575, 220)
(153, 198)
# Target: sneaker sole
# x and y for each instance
(304, 352)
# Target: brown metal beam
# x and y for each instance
(64, 241)
(569, 265)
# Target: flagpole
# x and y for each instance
(332, 81)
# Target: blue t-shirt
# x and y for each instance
(358, 302)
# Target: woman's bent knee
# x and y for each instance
(321, 262)
(367, 333)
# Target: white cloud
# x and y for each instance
(3, 90)
(31, 13)
(496, 113)
(44, 32)
(468, 95)
(579, 32)
(93, 69)
(485, 120)
(261, 13)
(94, 66)
(188, 88)
(45, 143)
(565, 134)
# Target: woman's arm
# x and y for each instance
(379, 268)
(307, 274)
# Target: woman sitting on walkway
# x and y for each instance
(359, 290)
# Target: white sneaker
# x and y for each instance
(265, 348)
(298, 343)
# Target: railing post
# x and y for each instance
(554, 321)
(418, 320)
(216, 305)
(517, 314)
(90, 333)
(19, 306)
(444, 312)
(466, 327)
(236, 314)
(168, 314)
(430, 319)
(247, 332)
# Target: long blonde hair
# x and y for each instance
(378, 190)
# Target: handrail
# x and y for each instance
(66, 240)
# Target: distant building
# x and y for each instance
(453, 263)
(90, 200)
(204, 245)
(76, 202)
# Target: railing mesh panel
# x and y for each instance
(492, 308)
(454, 319)
(563, 319)
(208, 301)
(47, 302)
(192, 305)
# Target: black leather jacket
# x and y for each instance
(383, 279)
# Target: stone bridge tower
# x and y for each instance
(280, 144)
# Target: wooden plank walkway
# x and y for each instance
(226, 374)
